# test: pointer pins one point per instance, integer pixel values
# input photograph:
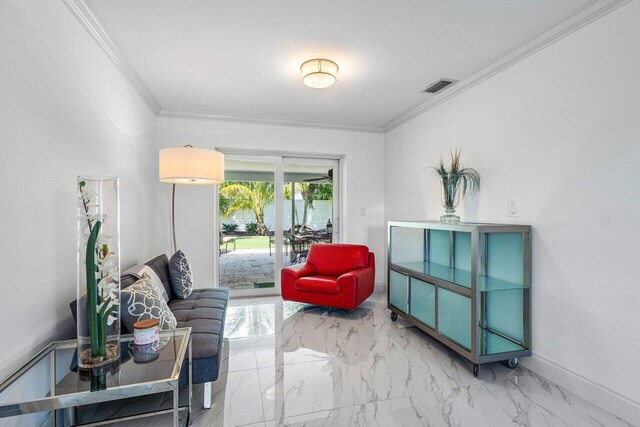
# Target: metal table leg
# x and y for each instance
(176, 404)
(52, 381)
(190, 379)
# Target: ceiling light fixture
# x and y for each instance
(319, 73)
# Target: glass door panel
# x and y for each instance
(399, 290)
(247, 225)
(454, 317)
(310, 206)
(423, 302)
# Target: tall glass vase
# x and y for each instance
(98, 303)
(450, 198)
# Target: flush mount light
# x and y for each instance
(319, 73)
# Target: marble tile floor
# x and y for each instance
(287, 364)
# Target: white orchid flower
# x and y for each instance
(104, 266)
(110, 320)
(106, 285)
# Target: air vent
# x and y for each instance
(439, 85)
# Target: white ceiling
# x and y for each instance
(243, 57)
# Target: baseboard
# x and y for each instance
(599, 395)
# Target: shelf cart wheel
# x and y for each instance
(511, 363)
(476, 369)
(394, 316)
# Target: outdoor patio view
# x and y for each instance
(247, 239)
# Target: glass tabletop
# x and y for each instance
(53, 374)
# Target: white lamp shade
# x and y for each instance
(194, 166)
(319, 73)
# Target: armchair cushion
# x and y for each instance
(319, 284)
(337, 259)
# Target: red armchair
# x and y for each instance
(335, 275)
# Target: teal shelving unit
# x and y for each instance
(467, 285)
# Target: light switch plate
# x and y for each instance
(513, 207)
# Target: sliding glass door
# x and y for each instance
(270, 210)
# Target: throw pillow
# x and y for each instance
(143, 300)
(141, 269)
(180, 274)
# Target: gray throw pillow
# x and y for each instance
(143, 300)
(180, 275)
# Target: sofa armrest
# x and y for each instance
(292, 273)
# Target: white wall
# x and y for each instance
(364, 180)
(64, 110)
(559, 132)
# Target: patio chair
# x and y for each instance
(272, 241)
(225, 241)
(299, 248)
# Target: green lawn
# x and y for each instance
(252, 242)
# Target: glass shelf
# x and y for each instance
(439, 271)
(489, 284)
(494, 344)
(459, 277)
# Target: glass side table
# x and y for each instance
(51, 381)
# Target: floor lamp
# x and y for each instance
(190, 166)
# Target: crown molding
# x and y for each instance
(202, 115)
(88, 20)
(579, 18)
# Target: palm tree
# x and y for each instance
(224, 203)
(306, 190)
(254, 196)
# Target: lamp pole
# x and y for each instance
(173, 218)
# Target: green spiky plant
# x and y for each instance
(455, 178)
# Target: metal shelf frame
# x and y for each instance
(478, 296)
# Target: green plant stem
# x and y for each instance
(92, 289)
(102, 329)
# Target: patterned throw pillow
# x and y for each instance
(141, 269)
(180, 274)
(143, 300)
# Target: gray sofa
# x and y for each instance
(204, 311)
